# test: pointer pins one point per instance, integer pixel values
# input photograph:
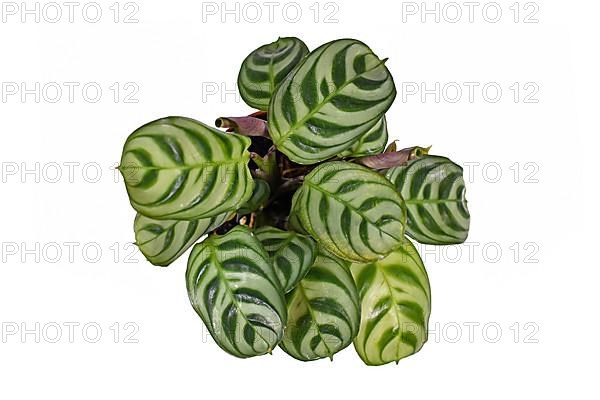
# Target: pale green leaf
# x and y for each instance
(332, 98)
(179, 168)
(163, 241)
(266, 67)
(323, 310)
(353, 212)
(292, 254)
(395, 306)
(233, 287)
(434, 191)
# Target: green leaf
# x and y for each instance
(372, 142)
(266, 67)
(353, 212)
(178, 168)
(395, 306)
(292, 254)
(163, 241)
(434, 191)
(336, 95)
(260, 195)
(232, 286)
(323, 311)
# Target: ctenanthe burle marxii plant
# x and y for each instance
(303, 207)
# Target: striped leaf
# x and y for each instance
(372, 142)
(434, 191)
(292, 254)
(266, 67)
(323, 311)
(232, 286)
(163, 241)
(334, 96)
(395, 306)
(353, 212)
(179, 168)
(260, 194)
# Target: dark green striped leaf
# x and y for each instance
(323, 311)
(336, 95)
(395, 306)
(179, 168)
(163, 241)
(260, 195)
(434, 191)
(266, 67)
(372, 142)
(232, 286)
(292, 254)
(353, 212)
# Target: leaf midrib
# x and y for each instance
(324, 101)
(213, 256)
(314, 318)
(189, 167)
(350, 206)
(396, 308)
(432, 201)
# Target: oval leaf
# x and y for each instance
(260, 195)
(266, 67)
(179, 168)
(353, 212)
(337, 94)
(434, 191)
(395, 306)
(292, 254)
(323, 311)
(232, 286)
(372, 142)
(163, 241)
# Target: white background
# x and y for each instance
(180, 57)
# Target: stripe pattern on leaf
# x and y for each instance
(260, 194)
(337, 94)
(266, 67)
(163, 241)
(292, 254)
(353, 212)
(434, 191)
(323, 311)
(179, 168)
(395, 306)
(232, 286)
(372, 142)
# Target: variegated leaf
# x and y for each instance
(292, 254)
(372, 142)
(323, 310)
(179, 168)
(350, 210)
(395, 306)
(266, 67)
(163, 241)
(333, 97)
(232, 286)
(260, 195)
(434, 191)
